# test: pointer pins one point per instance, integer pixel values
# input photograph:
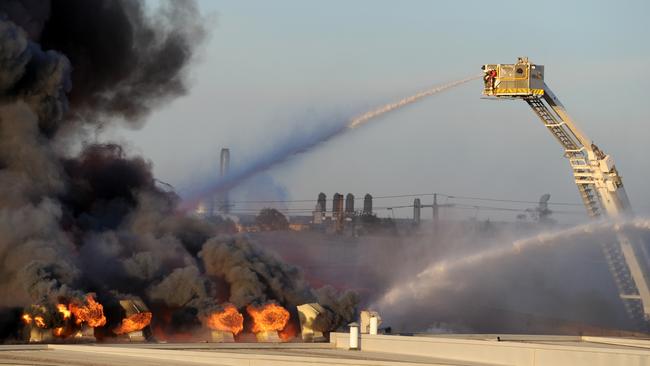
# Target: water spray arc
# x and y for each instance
(431, 278)
(362, 119)
(286, 151)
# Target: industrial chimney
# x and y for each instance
(349, 204)
(337, 212)
(417, 206)
(322, 202)
(225, 162)
(337, 205)
(319, 211)
(224, 204)
(367, 204)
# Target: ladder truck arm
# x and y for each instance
(599, 183)
(600, 170)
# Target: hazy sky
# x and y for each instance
(273, 69)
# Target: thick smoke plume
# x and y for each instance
(96, 221)
(124, 61)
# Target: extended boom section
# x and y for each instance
(595, 174)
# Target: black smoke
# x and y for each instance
(125, 61)
(96, 220)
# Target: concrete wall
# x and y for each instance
(541, 352)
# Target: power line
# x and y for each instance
(507, 200)
(449, 196)
(356, 198)
(493, 208)
(455, 206)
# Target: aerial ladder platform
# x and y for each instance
(599, 183)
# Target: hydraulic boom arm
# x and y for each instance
(600, 185)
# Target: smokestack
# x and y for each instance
(224, 204)
(319, 211)
(225, 162)
(416, 211)
(337, 205)
(367, 204)
(322, 202)
(337, 212)
(349, 204)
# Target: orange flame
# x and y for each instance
(289, 332)
(228, 320)
(134, 323)
(269, 317)
(39, 321)
(64, 311)
(58, 331)
(92, 313)
(27, 319)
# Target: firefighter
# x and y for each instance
(489, 79)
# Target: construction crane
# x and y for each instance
(596, 176)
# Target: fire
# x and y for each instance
(64, 311)
(134, 323)
(289, 331)
(39, 321)
(58, 331)
(92, 313)
(27, 319)
(269, 317)
(229, 320)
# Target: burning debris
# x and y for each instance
(225, 324)
(76, 320)
(65, 312)
(92, 313)
(36, 328)
(137, 318)
(80, 231)
(134, 323)
(268, 321)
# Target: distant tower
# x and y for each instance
(321, 204)
(367, 204)
(337, 205)
(349, 204)
(337, 212)
(225, 162)
(416, 211)
(224, 204)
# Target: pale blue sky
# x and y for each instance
(271, 68)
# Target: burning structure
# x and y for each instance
(89, 244)
(268, 321)
(225, 324)
(136, 318)
(76, 320)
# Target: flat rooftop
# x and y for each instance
(449, 350)
(203, 354)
